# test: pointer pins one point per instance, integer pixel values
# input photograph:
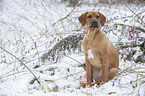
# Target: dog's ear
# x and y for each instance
(82, 18)
(103, 18)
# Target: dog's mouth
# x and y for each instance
(94, 23)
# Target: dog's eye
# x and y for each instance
(97, 17)
(89, 16)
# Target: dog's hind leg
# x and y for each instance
(112, 73)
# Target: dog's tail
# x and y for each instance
(64, 47)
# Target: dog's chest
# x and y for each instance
(92, 55)
(94, 58)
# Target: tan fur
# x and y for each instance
(103, 63)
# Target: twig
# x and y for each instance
(77, 61)
(132, 44)
(21, 63)
(123, 25)
(9, 74)
(74, 59)
(35, 46)
(126, 46)
(132, 11)
(143, 30)
(64, 77)
(128, 68)
(67, 14)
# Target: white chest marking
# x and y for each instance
(90, 54)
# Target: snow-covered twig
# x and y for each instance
(21, 63)
(143, 30)
(67, 14)
(132, 12)
(64, 76)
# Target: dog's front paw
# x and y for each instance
(101, 83)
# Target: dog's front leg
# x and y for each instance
(89, 73)
(105, 63)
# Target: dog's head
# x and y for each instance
(92, 19)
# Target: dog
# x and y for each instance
(101, 57)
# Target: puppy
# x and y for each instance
(101, 57)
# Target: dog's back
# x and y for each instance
(114, 58)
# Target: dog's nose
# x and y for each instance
(94, 21)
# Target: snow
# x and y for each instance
(26, 31)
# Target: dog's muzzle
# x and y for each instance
(94, 23)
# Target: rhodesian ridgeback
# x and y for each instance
(101, 57)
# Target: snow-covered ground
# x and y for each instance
(26, 32)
